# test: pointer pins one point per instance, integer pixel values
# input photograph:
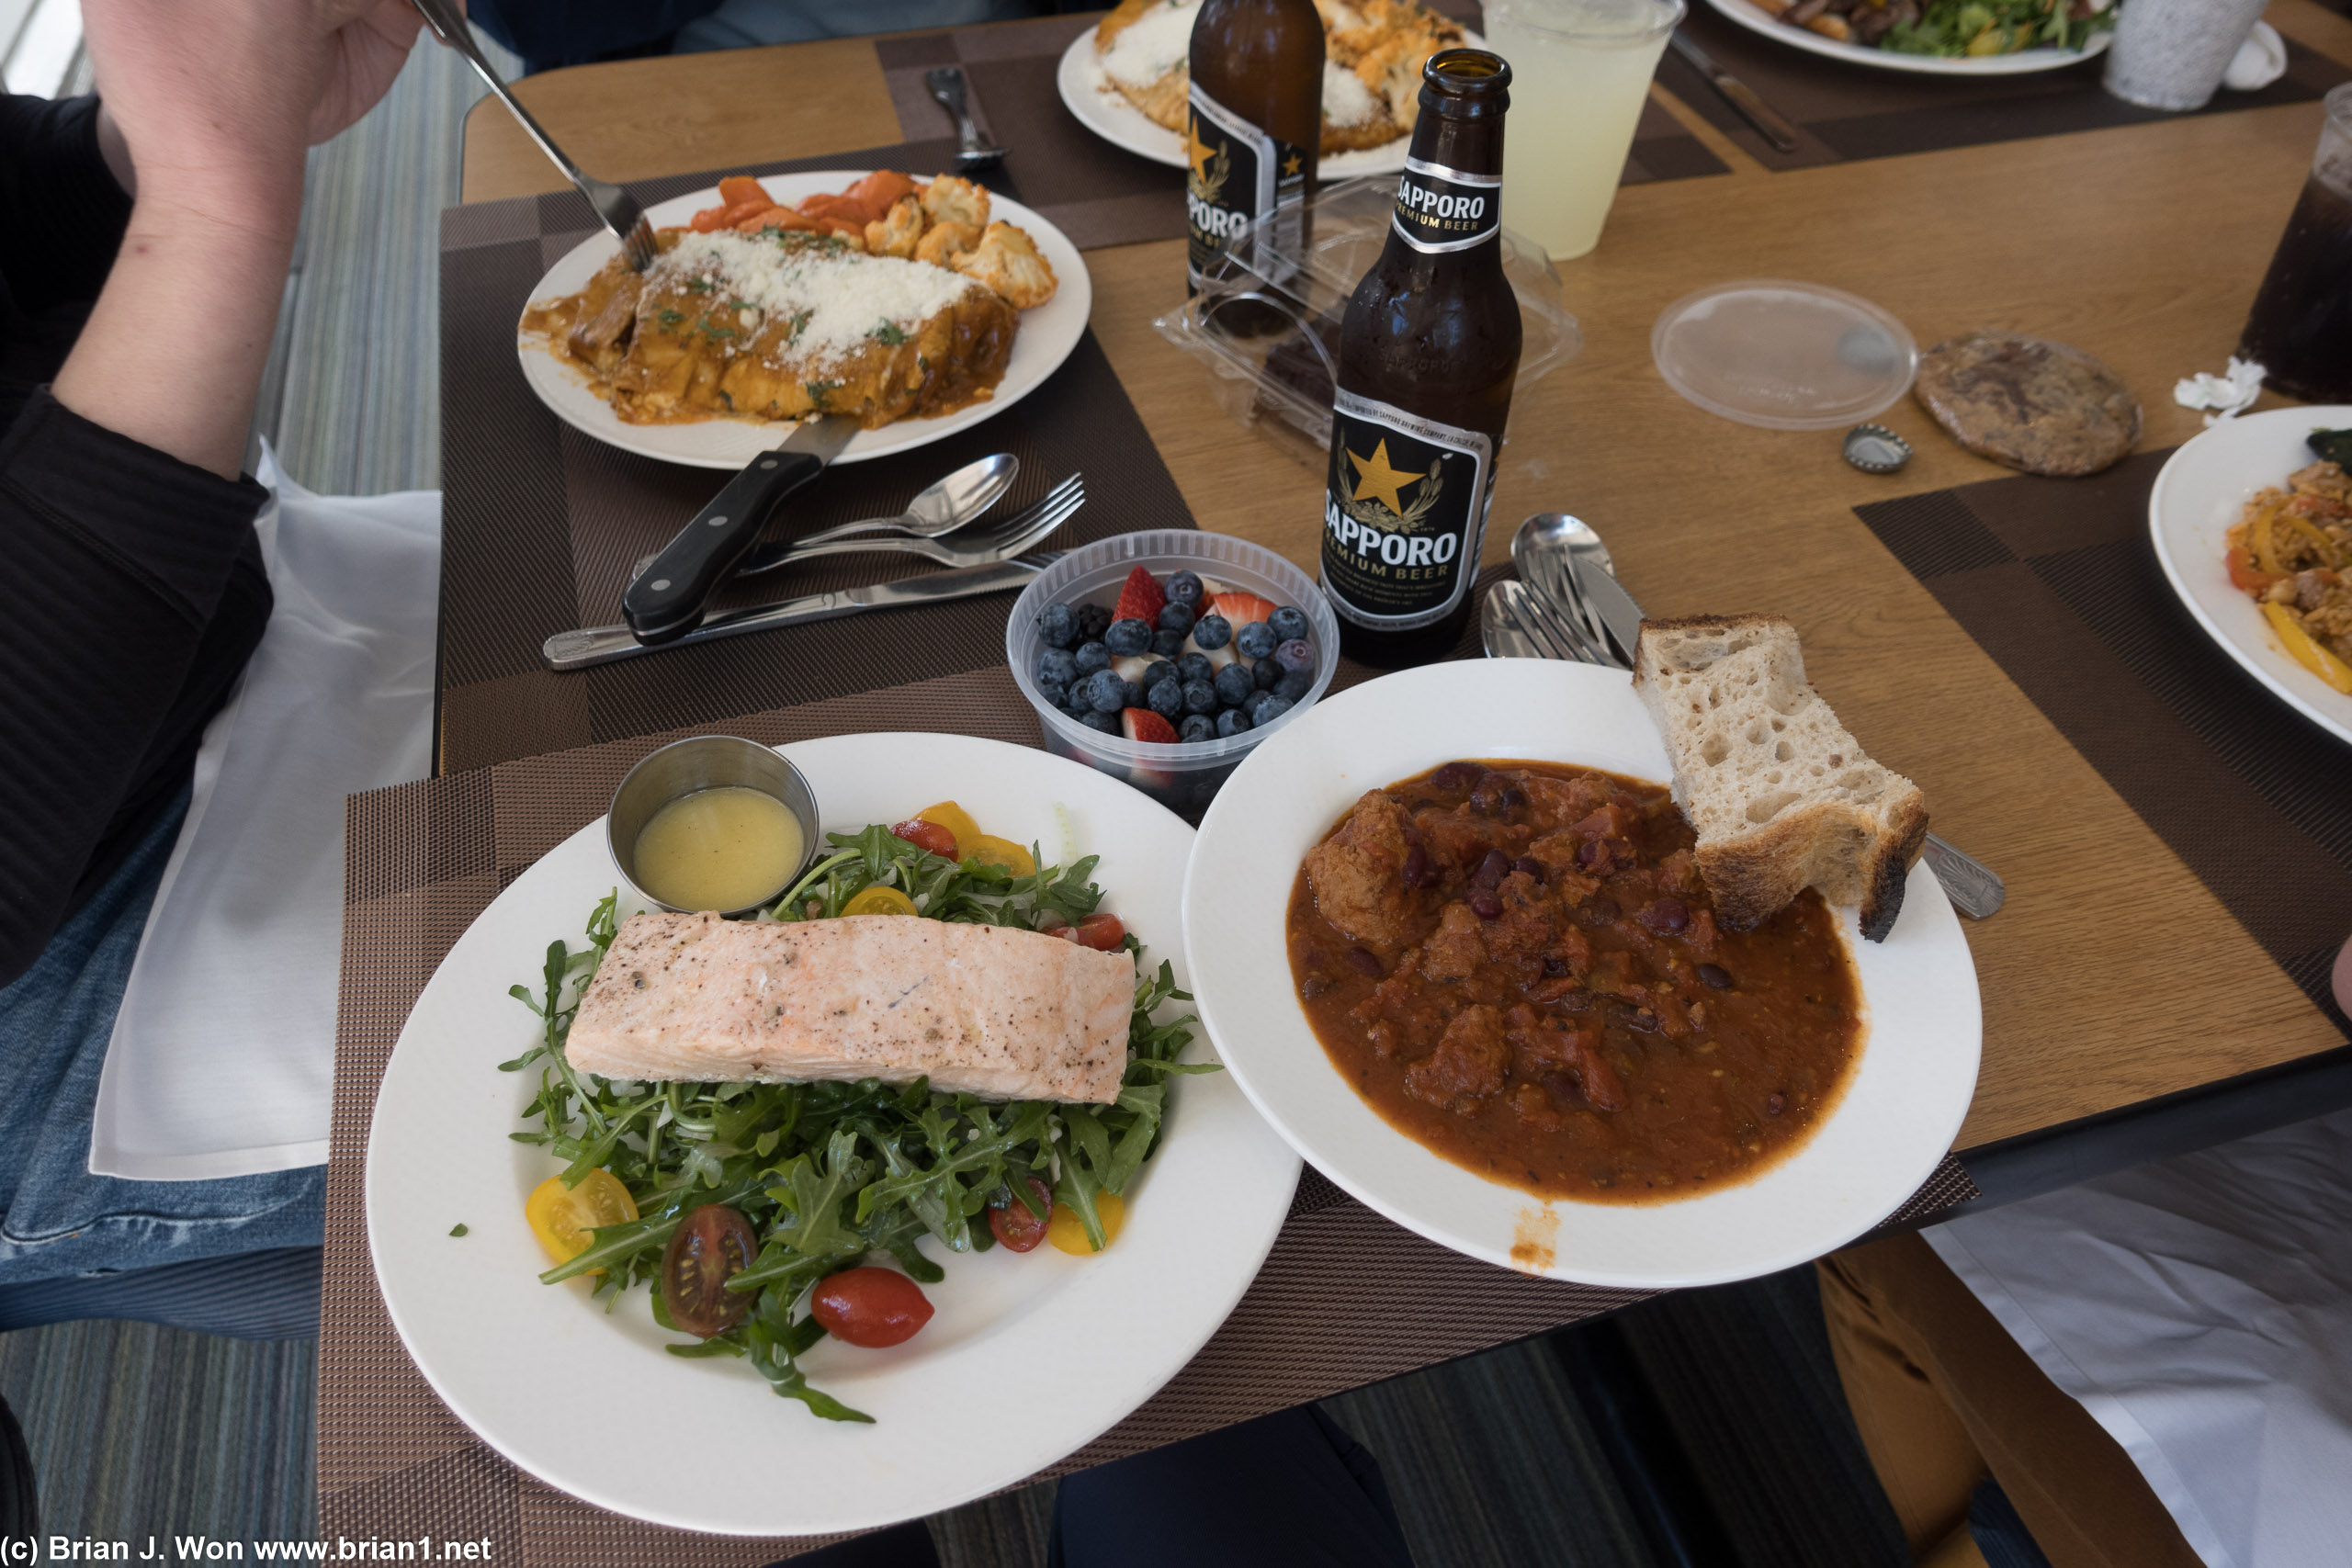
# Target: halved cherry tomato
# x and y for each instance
(1067, 1232)
(956, 820)
(1101, 932)
(872, 1307)
(990, 850)
(880, 900)
(711, 1244)
(928, 836)
(1014, 1226)
(736, 190)
(562, 1216)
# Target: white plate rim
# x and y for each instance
(1087, 94)
(2189, 544)
(1903, 1105)
(1048, 335)
(2025, 61)
(1177, 1273)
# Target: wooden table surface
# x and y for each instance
(2112, 975)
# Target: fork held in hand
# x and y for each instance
(615, 207)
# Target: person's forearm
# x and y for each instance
(175, 348)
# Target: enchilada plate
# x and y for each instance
(1899, 1110)
(1048, 334)
(1029, 1355)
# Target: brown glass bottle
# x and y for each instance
(1428, 352)
(1252, 130)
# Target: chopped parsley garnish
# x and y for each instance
(700, 285)
(669, 320)
(457, 1230)
(820, 390)
(799, 324)
(889, 333)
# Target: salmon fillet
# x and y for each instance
(991, 1011)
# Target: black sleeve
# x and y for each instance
(134, 605)
(61, 214)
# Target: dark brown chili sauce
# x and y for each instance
(1517, 964)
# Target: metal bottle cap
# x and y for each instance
(1875, 449)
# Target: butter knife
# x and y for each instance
(1738, 94)
(592, 646)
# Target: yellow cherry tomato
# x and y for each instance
(562, 1217)
(878, 900)
(1067, 1232)
(990, 850)
(956, 820)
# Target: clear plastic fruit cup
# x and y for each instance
(1184, 778)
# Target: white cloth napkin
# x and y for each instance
(2200, 1309)
(222, 1059)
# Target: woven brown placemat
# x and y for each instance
(1102, 194)
(1844, 111)
(1345, 1298)
(2057, 581)
(542, 524)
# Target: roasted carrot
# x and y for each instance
(848, 208)
(881, 190)
(773, 217)
(740, 190)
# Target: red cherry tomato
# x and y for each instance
(1014, 1226)
(925, 835)
(872, 1307)
(711, 1244)
(1101, 932)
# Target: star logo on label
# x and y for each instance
(1291, 164)
(1199, 152)
(1375, 478)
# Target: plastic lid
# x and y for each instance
(1786, 355)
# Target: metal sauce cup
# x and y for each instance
(688, 767)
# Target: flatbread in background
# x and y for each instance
(2029, 403)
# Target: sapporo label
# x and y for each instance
(1441, 209)
(1404, 514)
(1240, 173)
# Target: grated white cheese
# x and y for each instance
(847, 295)
(1346, 100)
(1151, 48)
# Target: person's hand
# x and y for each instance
(216, 99)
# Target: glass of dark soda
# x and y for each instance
(2301, 327)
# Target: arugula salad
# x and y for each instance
(750, 1209)
(1975, 28)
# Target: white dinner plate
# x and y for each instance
(2200, 492)
(1029, 1356)
(1901, 1108)
(2024, 62)
(1048, 334)
(1087, 94)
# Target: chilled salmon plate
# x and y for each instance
(991, 1010)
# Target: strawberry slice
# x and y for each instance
(1142, 599)
(1240, 608)
(1142, 724)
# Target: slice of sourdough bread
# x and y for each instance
(1779, 793)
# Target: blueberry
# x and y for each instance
(1196, 727)
(1272, 709)
(1199, 697)
(1231, 723)
(1294, 684)
(1167, 643)
(1255, 640)
(1053, 693)
(1264, 673)
(1212, 632)
(1108, 723)
(1057, 665)
(1256, 705)
(1128, 638)
(1105, 691)
(1196, 667)
(1134, 695)
(1289, 624)
(1090, 657)
(1234, 685)
(1093, 620)
(1177, 618)
(1156, 672)
(1184, 588)
(1166, 699)
(1295, 654)
(1059, 626)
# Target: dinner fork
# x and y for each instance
(615, 207)
(974, 545)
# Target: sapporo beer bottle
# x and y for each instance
(1252, 130)
(1429, 349)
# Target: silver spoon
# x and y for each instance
(963, 496)
(1545, 552)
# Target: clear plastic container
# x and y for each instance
(1182, 778)
(1281, 381)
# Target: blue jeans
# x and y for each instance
(56, 1219)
